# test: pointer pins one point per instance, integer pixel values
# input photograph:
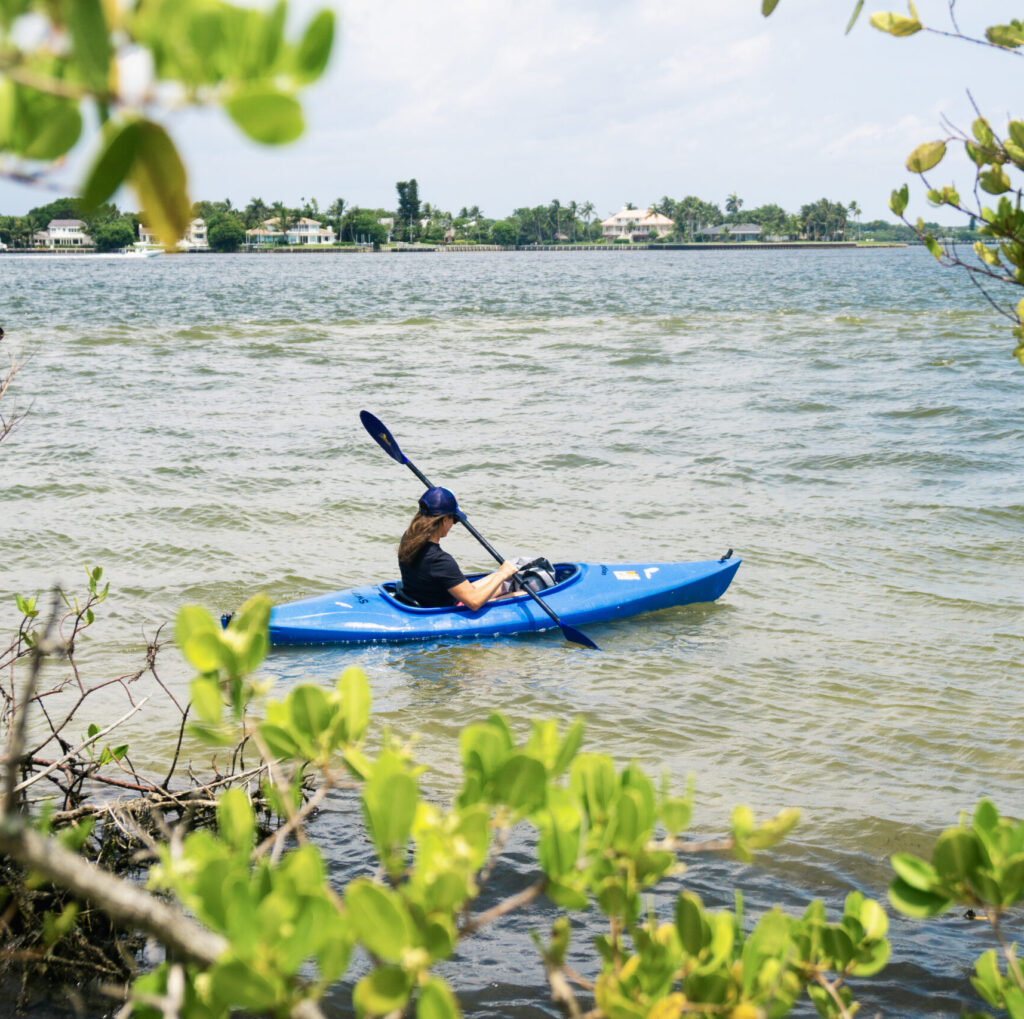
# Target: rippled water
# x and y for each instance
(849, 421)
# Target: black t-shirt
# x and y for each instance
(427, 578)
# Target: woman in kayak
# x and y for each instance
(430, 576)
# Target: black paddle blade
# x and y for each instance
(571, 633)
(382, 436)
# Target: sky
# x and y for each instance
(504, 104)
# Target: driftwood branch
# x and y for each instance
(124, 901)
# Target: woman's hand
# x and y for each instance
(507, 569)
(479, 592)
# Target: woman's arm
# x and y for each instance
(478, 592)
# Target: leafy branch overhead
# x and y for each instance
(201, 53)
(999, 256)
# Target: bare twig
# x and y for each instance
(513, 902)
(16, 735)
(81, 746)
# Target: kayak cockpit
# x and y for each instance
(391, 591)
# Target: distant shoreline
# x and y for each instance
(490, 248)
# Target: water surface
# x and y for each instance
(850, 422)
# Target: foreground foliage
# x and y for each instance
(201, 52)
(265, 931)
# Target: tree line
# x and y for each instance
(416, 221)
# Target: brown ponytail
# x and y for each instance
(418, 533)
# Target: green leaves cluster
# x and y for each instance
(1000, 256)
(703, 962)
(277, 918)
(204, 52)
(604, 836)
(223, 659)
(979, 865)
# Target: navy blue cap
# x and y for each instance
(439, 502)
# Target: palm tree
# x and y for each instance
(586, 211)
(855, 211)
(284, 219)
(256, 212)
(337, 209)
(474, 214)
(555, 209)
(733, 204)
(573, 210)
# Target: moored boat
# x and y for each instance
(583, 593)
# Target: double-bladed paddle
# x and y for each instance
(383, 437)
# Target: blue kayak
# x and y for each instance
(583, 593)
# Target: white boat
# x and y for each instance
(129, 254)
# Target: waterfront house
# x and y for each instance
(309, 231)
(732, 232)
(194, 240)
(303, 231)
(62, 233)
(636, 225)
(263, 237)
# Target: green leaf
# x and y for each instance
(382, 991)
(982, 130)
(279, 741)
(206, 699)
(988, 255)
(569, 748)
(934, 247)
(521, 783)
(436, 1001)
(315, 48)
(235, 820)
(354, 691)
(266, 115)
(90, 36)
(694, 933)
(45, 126)
(899, 199)
(767, 6)
(926, 156)
(158, 177)
(994, 180)
(1010, 35)
(871, 961)
(206, 652)
(858, 7)
(988, 982)
(913, 902)
(390, 804)
(192, 620)
(236, 983)
(309, 711)
(915, 872)
(895, 24)
(379, 919)
(873, 919)
(956, 855)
